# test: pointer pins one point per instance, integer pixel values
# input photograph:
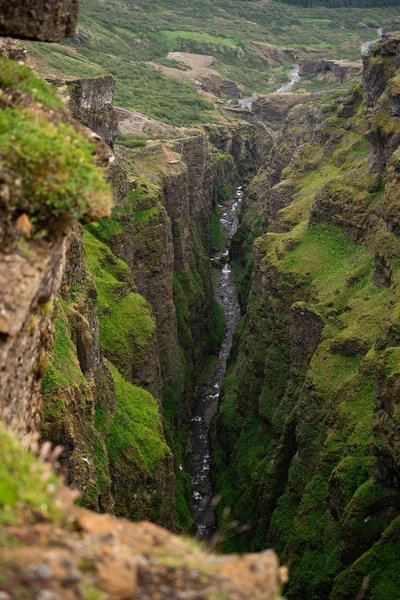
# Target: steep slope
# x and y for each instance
(137, 317)
(306, 439)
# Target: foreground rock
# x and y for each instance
(53, 550)
(49, 21)
(118, 560)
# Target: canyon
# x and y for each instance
(205, 328)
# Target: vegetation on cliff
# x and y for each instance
(48, 168)
(304, 444)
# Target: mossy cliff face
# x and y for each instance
(306, 438)
(49, 176)
(138, 293)
(161, 230)
(105, 414)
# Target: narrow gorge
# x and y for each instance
(199, 332)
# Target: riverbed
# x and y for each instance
(198, 458)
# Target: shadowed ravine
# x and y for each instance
(198, 459)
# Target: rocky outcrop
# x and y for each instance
(329, 71)
(32, 244)
(220, 87)
(50, 22)
(277, 106)
(381, 85)
(24, 323)
(91, 103)
(273, 55)
(12, 49)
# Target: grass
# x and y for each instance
(50, 166)
(135, 431)
(63, 369)
(127, 327)
(25, 484)
(121, 39)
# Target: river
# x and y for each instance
(198, 456)
(294, 78)
(367, 45)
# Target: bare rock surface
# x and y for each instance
(49, 21)
(276, 107)
(115, 559)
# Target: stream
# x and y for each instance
(294, 78)
(198, 456)
(367, 45)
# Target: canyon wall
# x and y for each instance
(73, 321)
(136, 317)
(307, 434)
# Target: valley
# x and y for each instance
(199, 303)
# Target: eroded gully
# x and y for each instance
(198, 458)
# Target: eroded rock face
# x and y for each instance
(33, 19)
(28, 286)
(277, 106)
(330, 71)
(91, 103)
(31, 270)
(382, 98)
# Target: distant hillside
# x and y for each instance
(342, 3)
(122, 37)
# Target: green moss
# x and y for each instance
(48, 166)
(215, 330)
(63, 369)
(15, 78)
(127, 327)
(224, 193)
(135, 431)
(377, 571)
(24, 483)
(217, 237)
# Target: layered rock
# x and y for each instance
(91, 103)
(329, 71)
(277, 106)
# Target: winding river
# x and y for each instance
(198, 456)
